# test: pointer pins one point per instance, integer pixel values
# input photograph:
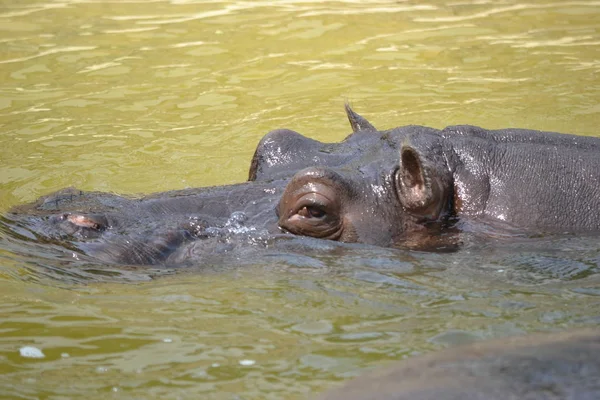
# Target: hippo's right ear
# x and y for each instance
(357, 122)
(422, 186)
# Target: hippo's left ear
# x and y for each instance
(422, 185)
(357, 122)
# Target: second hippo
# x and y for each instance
(539, 366)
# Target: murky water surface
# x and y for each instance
(143, 96)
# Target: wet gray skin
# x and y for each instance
(539, 366)
(413, 187)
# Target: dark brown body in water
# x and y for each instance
(412, 187)
(539, 366)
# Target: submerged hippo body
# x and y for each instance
(541, 366)
(410, 186)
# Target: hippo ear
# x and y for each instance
(357, 122)
(421, 188)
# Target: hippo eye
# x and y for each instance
(311, 212)
(312, 206)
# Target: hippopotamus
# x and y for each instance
(410, 187)
(538, 366)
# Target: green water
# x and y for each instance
(143, 96)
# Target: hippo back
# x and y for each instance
(550, 366)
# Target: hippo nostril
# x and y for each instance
(95, 222)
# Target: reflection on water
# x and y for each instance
(136, 97)
(287, 318)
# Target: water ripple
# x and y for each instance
(44, 53)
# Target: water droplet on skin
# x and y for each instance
(212, 231)
(237, 218)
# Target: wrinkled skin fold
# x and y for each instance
(412, 187)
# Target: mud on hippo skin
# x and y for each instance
(411, 187)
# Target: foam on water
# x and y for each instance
(235, 225)
(31, 352)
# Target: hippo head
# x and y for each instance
(384, 188)
(376, 187)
